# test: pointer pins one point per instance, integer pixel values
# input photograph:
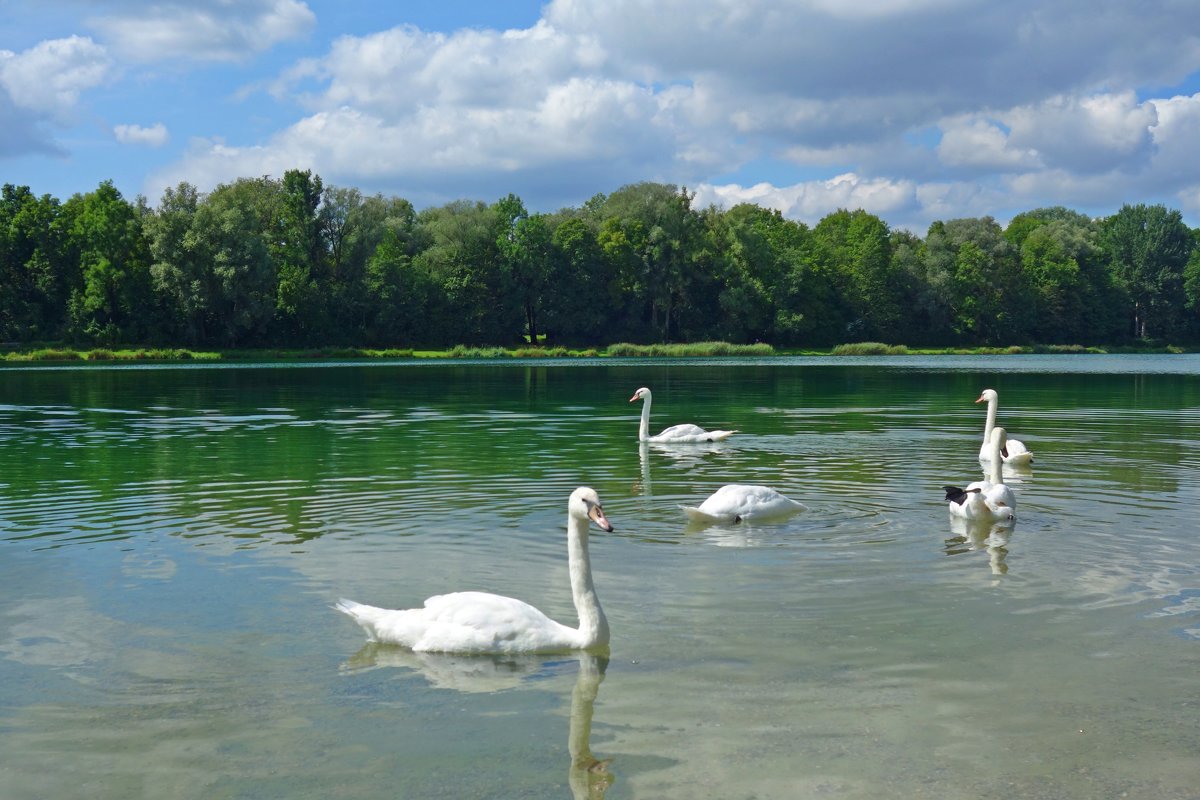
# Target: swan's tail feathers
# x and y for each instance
(362, 614)
(955, 494)
(696, 515)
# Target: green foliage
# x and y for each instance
(290, 262)
(692, 350)
(1148, 249)
(870, 349)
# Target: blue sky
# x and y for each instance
(915, 110)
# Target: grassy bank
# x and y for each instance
(60, 355)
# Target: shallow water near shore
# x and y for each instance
(172, 538)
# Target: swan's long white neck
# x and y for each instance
(995, 473)
(644, 428)
(991, 420)
(593, 626)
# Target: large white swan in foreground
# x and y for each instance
(1014, 452)
(742, 502)
(990, 500)
(676, 434)
(478, 622)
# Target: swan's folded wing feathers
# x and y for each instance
(482, 622)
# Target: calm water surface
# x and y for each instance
(171, 540)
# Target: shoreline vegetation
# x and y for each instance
(100, 355)
(290, 265)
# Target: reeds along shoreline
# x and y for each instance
(622, 349)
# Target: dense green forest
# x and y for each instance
(289, 262)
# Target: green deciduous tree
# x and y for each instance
(854, 248)
(114, 303)
(298, 250)
(1063, 265)
(1147, 249)
(230, 231)
(36, 278)
(463, 259)
(975, 282)
(181, 272)
(582, 295)
(666, 234)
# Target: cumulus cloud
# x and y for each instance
(1089, 134)
(208, 30)
(982, 145)
(811, 200)
(48, 78)
(41, 87)
(920, 109)
(154, 136)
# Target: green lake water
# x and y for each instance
(172, 538)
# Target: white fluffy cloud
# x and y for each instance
(154, 136)
(48, 78)
(208, 30)
(811, 200)
(1088, 134)
(919, 109)
(40, 88)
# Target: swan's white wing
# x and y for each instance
(999, 495)
(1016, 453)
(746, 501)
(689, 433)
(464, 622)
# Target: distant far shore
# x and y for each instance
(100, 355)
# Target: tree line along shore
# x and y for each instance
(289, 266)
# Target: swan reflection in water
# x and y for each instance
(588, 776)
(971, 535)
(1014, 474)
(678, 455)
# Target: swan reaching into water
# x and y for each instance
(741, 502)
(1014, 452)
(988, 500)
(478, 622)
(676, 434)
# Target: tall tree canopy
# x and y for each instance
(291, 261)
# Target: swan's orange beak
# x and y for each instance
(635, 397)
(980, 400)
(596, 514)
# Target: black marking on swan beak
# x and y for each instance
(737, 518)
(1004, 451)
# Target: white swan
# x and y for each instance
(478, 622)
(989, 500)
(1015, 452)
(676, 434)
(737, 502)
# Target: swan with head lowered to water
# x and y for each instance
(738, 502)
(676, 434)
(1014, 451)
(990, 500)
(478, 622)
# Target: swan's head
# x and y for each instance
(585, 505)
(641, 394)
(987, 396)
